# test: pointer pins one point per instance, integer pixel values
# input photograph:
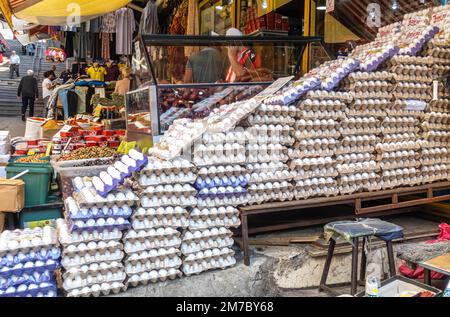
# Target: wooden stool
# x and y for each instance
(352, 231)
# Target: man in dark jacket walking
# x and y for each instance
(28, 90)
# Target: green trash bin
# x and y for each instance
(37, 181)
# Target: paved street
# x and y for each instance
(13, 124)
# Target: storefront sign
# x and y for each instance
(272, 89)
(330, 6)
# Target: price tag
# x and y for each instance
(49, 149)
(435, 90)
(31, 152)
(272, 89)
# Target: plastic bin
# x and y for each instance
(39, 218)
(37, 181)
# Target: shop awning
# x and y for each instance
(60, 12)
(6, 12)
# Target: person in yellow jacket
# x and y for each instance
(96, 72)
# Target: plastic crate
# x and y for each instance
(39, 218)
(64, 165)
(37, 181)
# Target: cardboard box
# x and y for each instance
(12, 195)
(2, 221)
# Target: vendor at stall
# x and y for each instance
(47, 88)
(123, 85)
(96, 72)
(242, 59)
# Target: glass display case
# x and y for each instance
(193, 75)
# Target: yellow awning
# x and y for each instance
(6, 10)
(61, 12)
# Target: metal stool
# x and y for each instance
(352, 231)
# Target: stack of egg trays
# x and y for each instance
(317, 139)
(92, 261)
(434, 157)
(28, 260)
(93, 258)
(153, 244)
(360, 130)
(398, 153)
(270, 130)
(221, 187)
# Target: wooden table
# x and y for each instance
(355, 200)
(440, 264)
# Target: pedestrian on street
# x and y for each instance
(2, 52)
(14, 61)
(28, 90)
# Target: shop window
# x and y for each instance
(216, 16)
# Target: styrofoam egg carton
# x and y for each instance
(42, 254)
(206, 234)
(224, 181)
(75, 213)
(77, 260)
(196, 268)
(29, 267)
(26, 278)
(157, 264)
(152, 243)
(159, 213)
(189, 247)
(154, 276)
(27, 239)
(44, 289)
(98, 289)
(154, 201)
(153, 255)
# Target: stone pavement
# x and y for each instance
(14, 124)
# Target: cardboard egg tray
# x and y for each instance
(317, 105)
(350, 168)
(298, 153)
(269, 197)
(86, 236)
(200, 224)
(168, 191)
(266, 119)
(153, 277)
(399, 137)
(301, 174)
(156, 202)
(194, 247)
(208, 160)
(380, 75)
(373, 95)
(312, 134)
(98, 289)
(332, 95)
(80, 280)
(92, 248)
(68, 262)
(205, 235)
(302, 193)
(205, 213)
(364, 113)
(160, 223)
(145, 180)
(395, 164)
(209, 266)
(152, 255)
(159, 233)
(159, 213)
(334, 115)
(413, 78)
(277, 110)
(221, 171)
(207, 255)
(396, 146)
(366, 103)
(93, 269)
(275, 187)
(151, 243)
(272, 177)
(146, 265)
(100, 201)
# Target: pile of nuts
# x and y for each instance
(89, 153)
(32, 159)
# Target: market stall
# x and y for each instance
(368, 126)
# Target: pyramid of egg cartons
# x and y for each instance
(28, 259)
(152, 246)
(360, 130)
(221, 186)
(317, 139)
(270, 132)
(91, 239)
